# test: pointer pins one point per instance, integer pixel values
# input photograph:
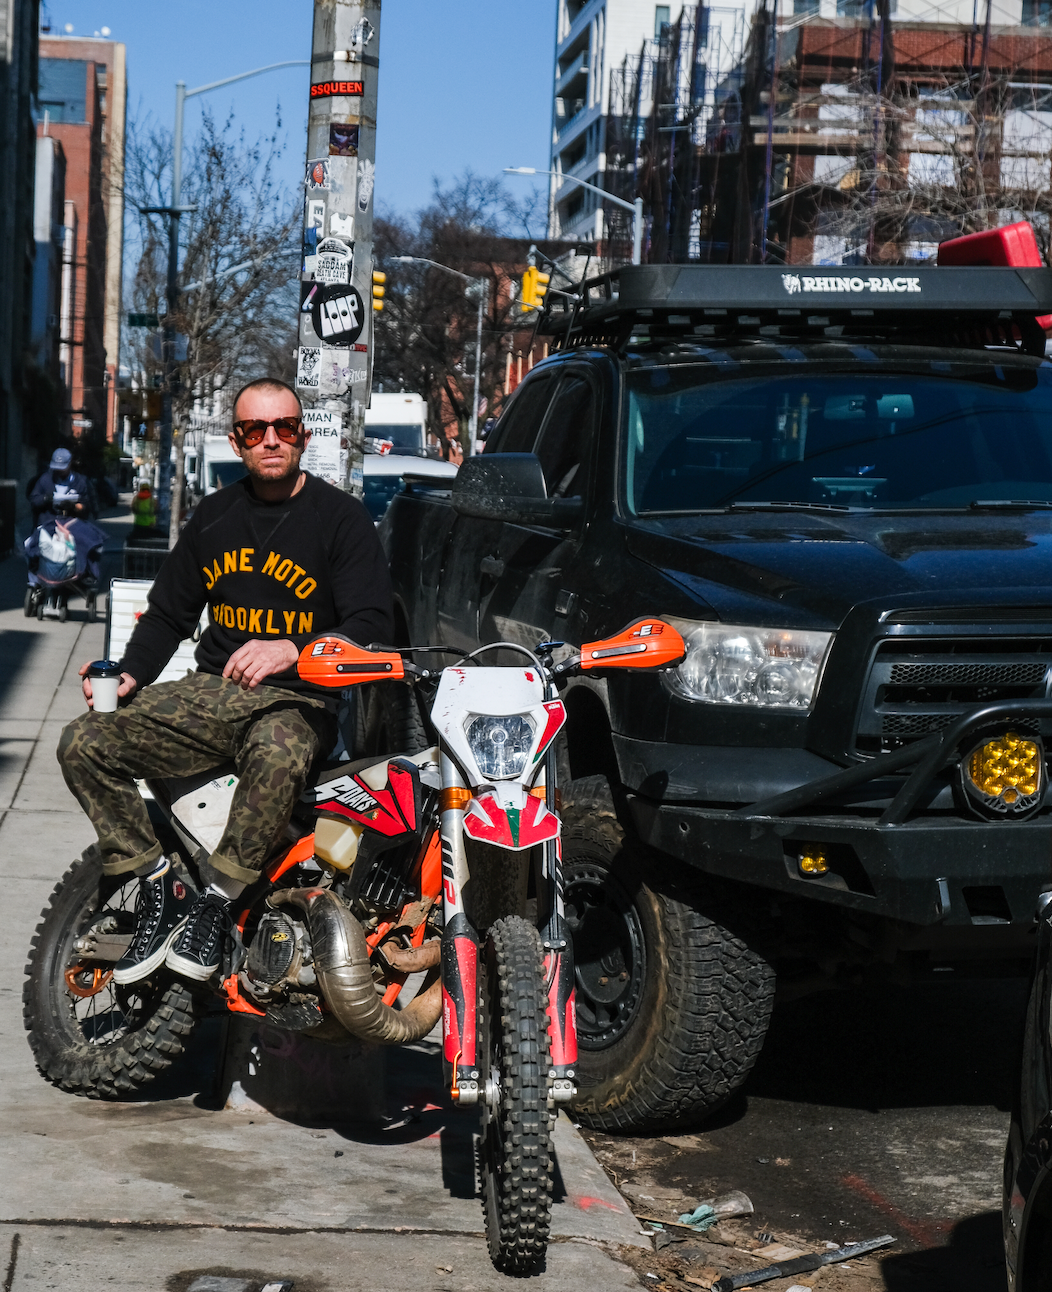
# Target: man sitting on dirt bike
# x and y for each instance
(279, 558)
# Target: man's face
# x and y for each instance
(272, 460)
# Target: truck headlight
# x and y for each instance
(500, 746)
(771, 668)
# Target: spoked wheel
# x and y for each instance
(517, 1160)
(88, 1035)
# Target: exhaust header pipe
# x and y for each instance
(341, 962)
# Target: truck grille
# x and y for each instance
(920, 685)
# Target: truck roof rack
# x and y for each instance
(970, 307)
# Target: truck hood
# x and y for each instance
(806, 570)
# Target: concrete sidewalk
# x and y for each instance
(159, 1193)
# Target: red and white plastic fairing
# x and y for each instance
(465, 694)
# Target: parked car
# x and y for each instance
(386, 474)
(838, 487)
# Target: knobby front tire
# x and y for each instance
(517, 1154)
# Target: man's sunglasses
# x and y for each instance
(252, 433)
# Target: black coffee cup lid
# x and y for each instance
(104, 668)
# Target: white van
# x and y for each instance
(400, 420)
(218, 464)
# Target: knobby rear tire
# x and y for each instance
(517, 1155)
(112, 1044)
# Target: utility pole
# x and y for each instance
(335, 357)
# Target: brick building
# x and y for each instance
(82, 103)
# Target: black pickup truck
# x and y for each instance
(839, 490)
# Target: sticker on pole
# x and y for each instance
(338, 314)
(321, 457)
(333, 261)
(315, 215)
(343, 139)
(308, 361)
(341, 226)
(366, 179)
(318, 174)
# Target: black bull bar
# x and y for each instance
(919, 867)
(931, 754)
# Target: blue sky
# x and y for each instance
(461, 85)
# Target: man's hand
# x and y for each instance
(127, 685)
(256, 660)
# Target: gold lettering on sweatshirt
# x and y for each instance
(245, 619)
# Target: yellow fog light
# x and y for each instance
(812, 860)
(1005, 776)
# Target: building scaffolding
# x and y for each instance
(861, 139)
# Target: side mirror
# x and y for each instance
(646, 643)
(510, 486)
(337, 662)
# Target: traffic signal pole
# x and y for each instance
(335, 355)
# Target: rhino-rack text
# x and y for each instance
(794, 283)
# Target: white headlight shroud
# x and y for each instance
(763, 668)
(475, 703)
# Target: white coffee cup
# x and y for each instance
(105, 678)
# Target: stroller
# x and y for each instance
(64, 555)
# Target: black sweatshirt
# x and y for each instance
(287, 570)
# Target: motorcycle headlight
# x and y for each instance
(770, 668)
(500, 746)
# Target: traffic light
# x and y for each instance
(534, 286)
(379, 278)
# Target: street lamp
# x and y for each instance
(635, 207)
(174, 212)
(483, 294)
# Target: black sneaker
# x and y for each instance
(196, 950)
(160, 912)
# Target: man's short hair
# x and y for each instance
(267, 383)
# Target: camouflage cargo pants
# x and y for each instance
(184, 728)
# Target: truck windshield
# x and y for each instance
(871, 434)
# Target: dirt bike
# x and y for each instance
(392, 868)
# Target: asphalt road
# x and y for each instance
(869, 1112)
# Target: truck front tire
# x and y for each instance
(673, 1002)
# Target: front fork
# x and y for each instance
(463, 1065)
(558, 953)
(460, 947)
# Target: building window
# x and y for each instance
(63, 89)
(805, 6)
(662, 17)
(1037, 13)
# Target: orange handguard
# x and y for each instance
(337, 662)
(645, 643)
